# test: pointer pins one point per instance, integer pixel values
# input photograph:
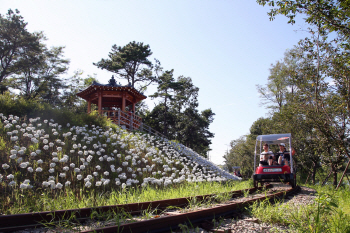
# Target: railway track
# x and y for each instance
(163, 222)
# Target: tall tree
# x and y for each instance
(130, 62)
(16, 45)
(177, 116)
(43, 79)
(166, 87)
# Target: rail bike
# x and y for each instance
(272, 170)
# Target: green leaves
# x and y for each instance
(130, 62)
(17, 45)
(331, 15)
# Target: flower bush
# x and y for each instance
(41, 154)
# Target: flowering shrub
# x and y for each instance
(41, 154)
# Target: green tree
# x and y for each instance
(177, 116)
(193, 129)
(42, 80)
(332, 15)
(130, 62)
(241, 154)
(17, 45)
(75, 84)
(165, 90)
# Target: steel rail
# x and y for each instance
(170, 223)
(9, 223)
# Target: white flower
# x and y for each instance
(33, 154)
(106, 182)
(65, 168)
(46, 147)
(89, 158)
(123, 185)
(13, 156)
(38, 169)
(59, 148)
(59, 185)
(95, 173)
(34, 140)
(54, 159)
(98, 183)
(10, 176)
(106, 173)
(40, 161)
(67, 183)
(23, 165)
(82, 167)
(76, 170)
(79, 177)
(12, 183)
(88, 184)
(5, 166)
(64, 159)
(51, 170)
(62, 175)
(52, 164)
(45, 141)
(38, 152)
(72, 165)
(98, 167)
(30, 169)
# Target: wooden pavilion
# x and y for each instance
(113, 100)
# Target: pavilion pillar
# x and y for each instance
(100, 102)
(89, 106)
(123, 102)
(133, 107)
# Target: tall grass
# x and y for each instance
(328, 213)
(50, 201)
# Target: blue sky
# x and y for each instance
(225, 46)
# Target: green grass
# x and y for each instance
(329, 212)
(47, 201)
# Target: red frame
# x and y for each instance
(285, 170)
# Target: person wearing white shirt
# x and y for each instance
(266, 157)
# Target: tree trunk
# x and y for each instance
(313, 176)
(335, 176)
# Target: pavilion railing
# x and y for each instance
(130, 121)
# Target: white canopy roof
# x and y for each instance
(275, 138)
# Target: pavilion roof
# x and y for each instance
(111, 86)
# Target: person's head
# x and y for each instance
(266, 147)
(282, 146)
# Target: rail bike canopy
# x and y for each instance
(275, 138)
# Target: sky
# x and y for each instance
(225, 46)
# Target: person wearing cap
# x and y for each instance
(283, 156)
(266, 157)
